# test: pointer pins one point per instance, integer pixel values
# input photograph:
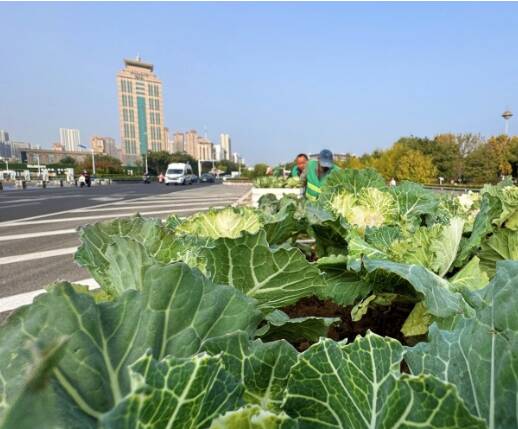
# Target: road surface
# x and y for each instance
(38, 241)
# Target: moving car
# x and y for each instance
(178, 173)
(208, 178)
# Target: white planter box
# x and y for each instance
(278, 192)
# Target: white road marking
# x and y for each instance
(16, 221)
(12, 302)
(150, 205)
(106, 199)
(73, 219)
(37, 234)
(37, 255)
(18, 205)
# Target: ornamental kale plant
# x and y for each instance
(376, 307)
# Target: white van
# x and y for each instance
(178, 173)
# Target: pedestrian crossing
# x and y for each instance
(38, 250)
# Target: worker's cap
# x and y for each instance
(326, 158)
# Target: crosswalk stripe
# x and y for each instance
(72, 219)
(37, 255)
(37, 234)
(12, 302)
(132, 207)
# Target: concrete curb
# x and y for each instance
(242, 199)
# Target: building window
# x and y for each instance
(157, 118)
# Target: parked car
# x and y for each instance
(178, 173)
(207, 178)
(195, 179)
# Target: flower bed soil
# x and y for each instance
(386, 321)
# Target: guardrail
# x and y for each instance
(454, 188)
(54, 183)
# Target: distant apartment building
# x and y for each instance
(178, 142)
(4, 136)
(105, 145)
(141, 110)
(226, 147)
(218, 153)
(58, 147)
(17, 148)
(5, 145)
(191, 143)
(46, 156)
(205, 149)
(236, 158)
(70, 139)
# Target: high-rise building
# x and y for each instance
(191, 143)
(226, 147)
(70, 139)
(4, 136)
(105, 145)
(5, 146)
(141, 110)
(178, 142)
(17, 148)
(218, 153)
(205, 150)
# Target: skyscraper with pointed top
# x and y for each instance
(141, 110)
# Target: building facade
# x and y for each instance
(70, 139)
(18, 147)
(218, 153)
(4, 136)
(141, 111)
(226, 146)
(191, 143)
(105, 145)
(6, 151)
(205, 149)
(46, 156)
(178, 142)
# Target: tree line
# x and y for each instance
(461, 158)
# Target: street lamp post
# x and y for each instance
(507, 115)
(93, 163)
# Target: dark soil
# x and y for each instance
(384, 321)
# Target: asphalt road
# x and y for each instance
(18, 204)
(38, 231)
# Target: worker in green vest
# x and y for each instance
(300, 164)
(317, 172)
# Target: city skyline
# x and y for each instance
(351, 77)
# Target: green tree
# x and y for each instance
(260, 170)
(67, 161)
(480, 166)
(415, 166)
(104, 164)
(157, 161)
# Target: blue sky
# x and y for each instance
(280, 78)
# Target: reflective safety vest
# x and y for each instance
(313, 183)
(295, 171)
